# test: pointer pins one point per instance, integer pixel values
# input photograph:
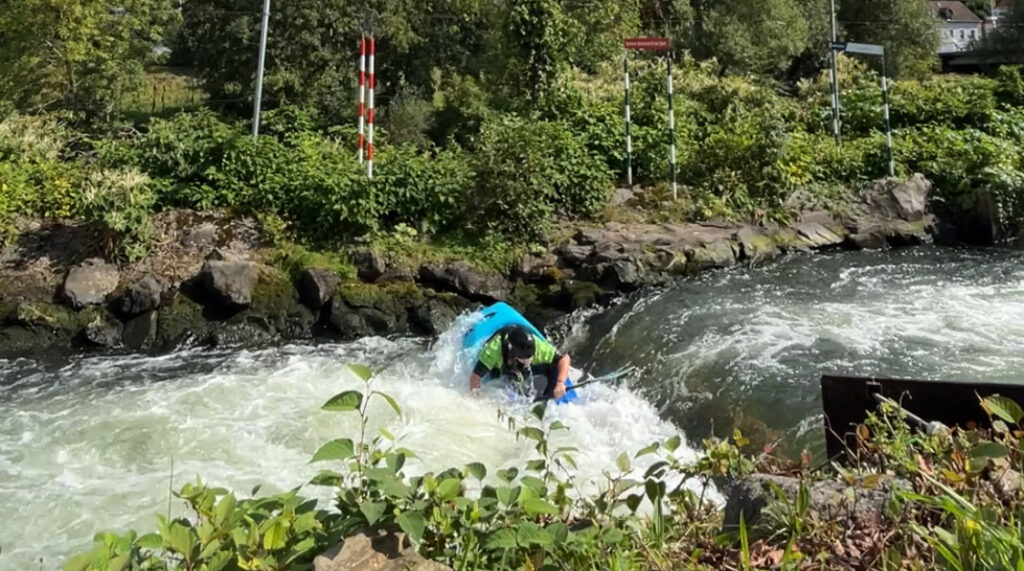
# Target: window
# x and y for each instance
(961, 34)
(974, 34)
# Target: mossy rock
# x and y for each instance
(276, 307)
(179, 319)
(51, 315)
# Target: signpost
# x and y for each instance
(872, 50)
(651, 44)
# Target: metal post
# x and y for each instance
(362, 94)
(369, 113)
(671, 127)
(834, 72)
(629, 138)
(885, 113)
(259, 71)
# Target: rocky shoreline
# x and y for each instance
(209, 282)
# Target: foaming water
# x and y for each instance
(745, 348)
(98, 443)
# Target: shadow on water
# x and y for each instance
(745, 348)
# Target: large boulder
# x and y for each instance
(370, 265)
(431, 317)
(465, 280)
(229, 283)
(142, 296)
(316, 286)
(103, 331)
(755, 246)
(381, 553)
(90, 283)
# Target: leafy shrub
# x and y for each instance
(529, 170)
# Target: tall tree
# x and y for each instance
(76, 54)
(907, 28)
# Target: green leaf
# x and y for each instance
(395, 462)
(224, 508)
(622, 462)
(509, 474)
(339, 449)
(219, 561)
(391, 401)
(503, 538)
(673, 443)
(81, 562)
(276, 535)
(348, 400)
(531, 534)
(535, 484)
(647, 450)
(326, 478)
(150, 541)
(477, 470)
(532, 433)
(633, 502)
(449, 488)
(394, 487)
(181, 540)
(612, 536)
(413, 524)
(989, 450)
(507, 496)
(557, 425)
(536, 506)
(361, 371)
(536, 465)
(210, 549)
(1004, 408)
(372, 511)
(559, 531)
(119, 562)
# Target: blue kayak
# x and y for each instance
(494, 318)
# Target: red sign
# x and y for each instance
(646, 44)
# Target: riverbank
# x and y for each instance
(219, 280)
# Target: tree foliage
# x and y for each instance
(907, 29)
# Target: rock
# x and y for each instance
(870, 238)
(828, 500)
(621, 196)
(465, 280)
(139, 332)
(536, 268)
(230, 283)
(605, 252)
(572, 255)
(755, 246)
(717, 254)
(200, 236)
(816, 235)
(382, 553)
(103, 331)
(90, 283)
(622, 275)
(1007, 484)
(142, 296)
(316, 286)
(345, 321)
(432, 317)
(574, 294)
(379, 322)
(911, 197)
(369, 264)
(589, 236)
(396, 275)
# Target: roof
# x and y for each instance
(954, 12)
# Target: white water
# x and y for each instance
(89, 447)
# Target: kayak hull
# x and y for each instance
(493, 318)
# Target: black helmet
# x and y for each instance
(519, 343)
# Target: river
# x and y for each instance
(95, 443)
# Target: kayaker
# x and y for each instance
(516, 353)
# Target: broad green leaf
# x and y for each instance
(989, 450)
(150, 541)
(391, 401)
(181, 540)
(210, 549)
(507, 496)
(277, 534)
(503, 538)
(348, 400)
(536, 506)
(395, 462)
(509, 474)
(300, 548)
(326, 478)
(559, 531)
(534, 483)
(1003, 408)
(622, 462)
(633, 502)
(477, 470)
(647, 450)
(536, 465)
(532, 433)
(394, 487)
(612, 536)
(119, 562)
(656, 469)
(224, 508)
(413, 524)
(673, 443)
(219, 561)
(386, 434)
(361, 371)
(449, 488)
(79, 562)
(305, 523)
(531, 534)
(372, 511)
(557, 425)
(339, 449)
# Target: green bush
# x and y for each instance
(529, 170)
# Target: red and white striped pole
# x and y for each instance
(362, 93)
(369, 116)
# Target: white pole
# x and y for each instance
(259, 70)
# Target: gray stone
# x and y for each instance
(103, 332)
(142, 296)
(90, 283)
(755, 246)
(345, 321)
(200, 236)
(139, 332)
(382, 553)
(316, 286)
(465, 280)
(370, 265)
(622, 275)
(817, 236)
(230, 282)
(432, 317)
(911, 197)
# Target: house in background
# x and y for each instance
(958, 26)
(1001, 10)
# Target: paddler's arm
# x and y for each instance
(476, 378)
(563, 374)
